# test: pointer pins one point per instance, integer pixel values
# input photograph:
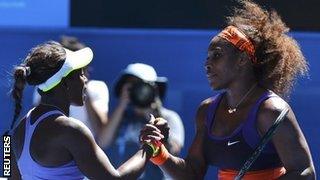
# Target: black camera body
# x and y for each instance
(142, 94)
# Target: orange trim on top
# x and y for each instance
(238, 39)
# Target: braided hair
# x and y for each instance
(41, 63)
(279, 58)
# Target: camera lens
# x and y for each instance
(142, 94)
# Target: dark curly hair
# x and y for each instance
(280, 60)
(41, 63)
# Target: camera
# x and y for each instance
(142, 94)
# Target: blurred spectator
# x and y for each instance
(94, 112)
(139, 90)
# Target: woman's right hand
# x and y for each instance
(124, 99)
(157, 127)
(150, 133)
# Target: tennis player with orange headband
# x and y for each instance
(256, 64)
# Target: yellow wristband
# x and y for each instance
(155, 149)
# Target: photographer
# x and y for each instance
(139, 90)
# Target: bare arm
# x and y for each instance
(288, 140)
(14, 167)
(194, 165)
(97, 104)
(97, 117)
(109, 130)
(92, 161)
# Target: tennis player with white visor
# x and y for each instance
(47, 144)
(94, 112)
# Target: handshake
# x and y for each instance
(156, 130)
(155, 135)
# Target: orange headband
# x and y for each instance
(238, 39)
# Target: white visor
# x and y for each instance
(74, 60)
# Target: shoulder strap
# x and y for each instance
(29, 129)
(212, 108)
(250, 132)
(43, 116)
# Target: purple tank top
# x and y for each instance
(29, 169)
(232, 151)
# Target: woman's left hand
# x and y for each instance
(155, 129)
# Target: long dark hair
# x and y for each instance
(280, 60)
(40, 64)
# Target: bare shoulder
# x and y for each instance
(18, 138)
(202, 111)
(274, 104)
(270, 110)
(288, 139)
(72, 129)
(205, 104)
(19, 129)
